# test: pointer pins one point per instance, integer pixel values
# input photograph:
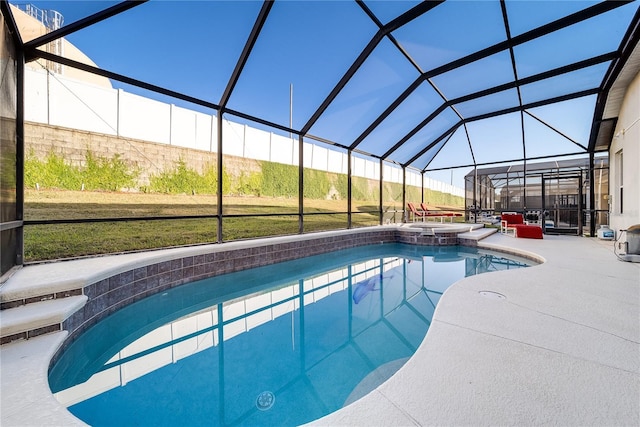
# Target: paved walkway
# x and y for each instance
(562, 347)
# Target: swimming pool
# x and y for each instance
(277, 345)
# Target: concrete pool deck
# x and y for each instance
(562, 347)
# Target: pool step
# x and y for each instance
(478, 234)
(37, 318)
(34, 303)
(37, 283)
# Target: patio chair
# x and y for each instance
(513, 224)
(415, 213)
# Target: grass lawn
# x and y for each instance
(54, 241)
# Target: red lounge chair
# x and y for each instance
(514, 224)
(415, 213)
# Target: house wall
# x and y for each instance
(31, 28)
(626, 212)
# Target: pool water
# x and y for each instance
(277, 345)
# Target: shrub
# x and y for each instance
(279, 180)
(434, 197)
(107, 174)
(97, 174)
(341, 184)
(248, 184)
(316, 184)
(365, 189)
(185, 180)
(392, 195)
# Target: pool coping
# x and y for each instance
(30, 401)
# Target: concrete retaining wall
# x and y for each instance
(148, 157)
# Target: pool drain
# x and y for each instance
(265, 400)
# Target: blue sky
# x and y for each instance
(192, 47)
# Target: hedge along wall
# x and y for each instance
(147, 161)
(147, 158)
